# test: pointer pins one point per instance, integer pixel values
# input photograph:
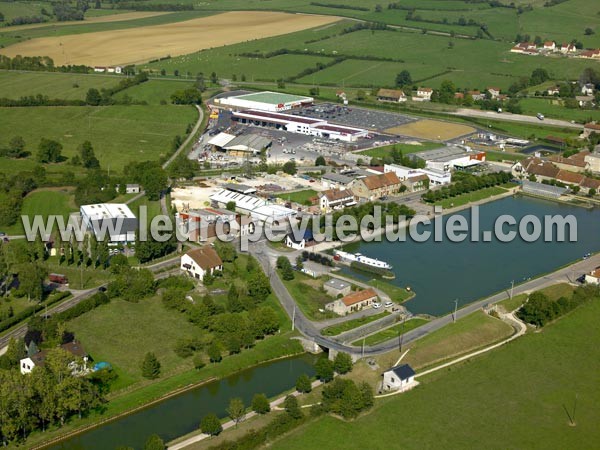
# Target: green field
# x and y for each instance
(153, 91)
(513, 397)
(391, 332)
(382, 152)
(119, 134)
(334, 330)
(309, 295)
(553, 109)
(470, 197)
(67, 86)
(22, 9)
(44, 202)
(302, 197)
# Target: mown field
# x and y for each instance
(553, 110)
(119, 134)
(518, 396)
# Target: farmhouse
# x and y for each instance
(198, 262)
(476, 95)
(265, 101)
(335, 199)
(391, 95)
(113, 219)
(336, 287)
(298, 124)
(38, 359)
(353, 302)
(376, 186)
(398, 378)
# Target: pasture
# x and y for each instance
(136, 45)
(69, 86)
(553, 109)
(432, 129)
(517, 396)
(119, 134)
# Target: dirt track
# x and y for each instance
(137, 45)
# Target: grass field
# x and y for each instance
(514, 397)
(391, 332)
(471, 197)
(334, 330)
(119, 134)
(23, 9)
(382, 152)
(553, 109)
(302, 197)
(432, 129)
(154, 91)
(136, 45)
(309, 296)
(43, 202)
(53, 84)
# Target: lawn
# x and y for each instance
(553, 109)
(302, 197)
(334, 330)
(44, 202)
(153, 208)
(391, 332)
(69, 86)
(119, 134)
(397, 294)
(309, 295)
(503, 156)
(517, 396)
(510, 304)
(471, 197)
(382, 152)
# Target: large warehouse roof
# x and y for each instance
(248, 142)
(274, 98)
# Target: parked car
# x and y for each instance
(388, 304)
(376, 305)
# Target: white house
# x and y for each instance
(494, 92)
(587, 89)
(118, 69)
(553, 90)
(297, 243)
(26, 365)
(197, 263)
(593, 277)
(567, 48)
(99, 69)
(550, 45)
(399, 378)
(423, 94)
(335, 199)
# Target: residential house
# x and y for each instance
(549, 46)
(494, 92)
(524, 47)
(535, 166)
(416, 182)
(198, 262)
(587, 89)
(335, 199)
(356, 301)
(567, 48)
(590, 54)
(476, 95)
(570, 178)
(391, 95)
(300, 243)
(555, 90)
(575, 162)
(374, 187)
(399, 378)
(336, 287)
(593, 277)
(423, 94)
(78, 365)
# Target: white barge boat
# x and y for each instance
(358, 257)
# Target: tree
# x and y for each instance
(324, 370)
(150, 366)
(403, 79)
(119, 263)
(88, 158)
(214, 353)
(538, 76)
(213, 78)
(211, 425)
(190, 96)
(93, 97)
(342, 363)
(258, 286)
(303, 384)
(284, 265)
(154, 442)
(16, 147)
(230, 206)
(49, 151)
(367, 394)
(299, 262)
(320, 161)
(31, 280)
(290, 168)
(236, 410)
(290, 404)
(589, 31)
(260, 404)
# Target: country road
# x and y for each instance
(492, 115)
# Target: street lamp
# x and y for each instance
(455, 308)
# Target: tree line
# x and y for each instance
(465, 182)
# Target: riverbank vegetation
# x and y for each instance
(466, 183)
(348, 325)
(392, 332)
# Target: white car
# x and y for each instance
(376, 305)
(388, 304)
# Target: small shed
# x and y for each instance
(398, 378)
(336, 287)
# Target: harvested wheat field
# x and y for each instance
(117, 17)
(137, 45)
(432, 129)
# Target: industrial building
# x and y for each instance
(265, 101)
(243, 145)
(257, 208)
(436, 177)
(114, 220)
(449, 158)
(299, 124)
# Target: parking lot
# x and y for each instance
(354, 117)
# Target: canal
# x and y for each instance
(440, 272)
(180, 415)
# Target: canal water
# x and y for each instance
(440, 272)
(181, 414)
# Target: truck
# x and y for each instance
(58, 278)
